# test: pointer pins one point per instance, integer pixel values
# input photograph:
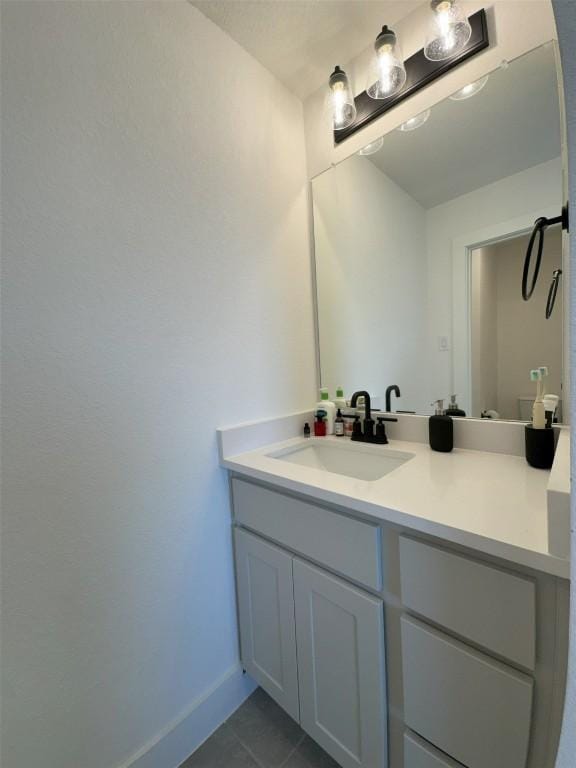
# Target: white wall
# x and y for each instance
(565, 13)
(524, 193)
(370, 251)
(156, 285)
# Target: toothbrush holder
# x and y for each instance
(540, 446)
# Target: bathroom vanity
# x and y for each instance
(399, 626)
(410, 608)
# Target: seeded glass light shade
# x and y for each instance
(448, 32)
(470, 90)
(341, 100)
(387, 73)
(414, 122)
(373, 147)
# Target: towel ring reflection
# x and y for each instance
(552, 293)
(540, 226)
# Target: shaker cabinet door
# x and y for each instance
(266, 617)
(341, 664)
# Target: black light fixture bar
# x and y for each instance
(420, 72)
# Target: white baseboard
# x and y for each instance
(179, 739)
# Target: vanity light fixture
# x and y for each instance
(387, 73)
(470, 90)
(449, 30)
(373, 147)
(415, 122)
(392, 79)
(341, 99)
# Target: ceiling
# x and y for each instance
(511, 125)
(300, 41)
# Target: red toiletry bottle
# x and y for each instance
(320, 424)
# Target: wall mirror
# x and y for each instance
(419, 250)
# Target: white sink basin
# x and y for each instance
(364, 462)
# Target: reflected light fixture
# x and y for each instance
(387, 73)
(415, 122)
(373, 147)
(448, 32)
(341, 100)
(470, 90)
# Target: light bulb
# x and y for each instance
(470, 90)
(449, 30)
(414, 122)
(341, 100)
(373, 147)
(387, 73)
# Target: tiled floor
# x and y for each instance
(259, 735)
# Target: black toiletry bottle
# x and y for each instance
(453, 409)
(441, 429)
(339, 424)
(306, 430)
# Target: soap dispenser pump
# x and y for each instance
(441, 429)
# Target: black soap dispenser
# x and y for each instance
(441, 429)
(453, 408)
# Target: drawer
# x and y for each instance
(486, 605)
(349, 546)
(466, 704)
(419, 754)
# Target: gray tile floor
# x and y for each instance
(259, 735)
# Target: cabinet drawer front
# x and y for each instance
(473, 708)
(341, 667)
(348, 546)
(480, 603)
(418, 754)
(266, 617)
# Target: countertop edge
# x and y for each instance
(539, 561)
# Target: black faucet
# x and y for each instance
(393, 388)
(367, 402)
(367, 435)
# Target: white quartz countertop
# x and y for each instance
(494, 503)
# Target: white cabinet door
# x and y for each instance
(341, 665)
(266, 616)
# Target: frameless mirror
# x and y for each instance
(420, 245)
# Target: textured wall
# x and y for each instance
(565, 12)
(156, 286)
